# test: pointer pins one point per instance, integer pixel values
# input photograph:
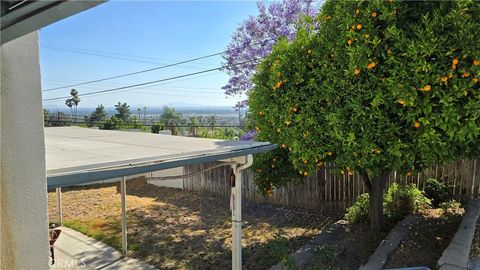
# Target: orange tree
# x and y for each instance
(371, 87)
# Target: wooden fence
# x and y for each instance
(326, 191)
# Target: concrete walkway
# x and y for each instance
(74, 250)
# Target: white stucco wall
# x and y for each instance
(24, 222)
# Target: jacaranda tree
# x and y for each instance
(254, 38)
(371, 87)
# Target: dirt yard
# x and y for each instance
(429, 238)
(353, 247)
(175, 229)
(475, 251)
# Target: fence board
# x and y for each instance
(326, 191)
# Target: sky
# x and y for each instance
(120, 37)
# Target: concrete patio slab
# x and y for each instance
(74, 250)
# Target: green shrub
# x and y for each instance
(156, 128)
(280, 250)
(403, 200)
(451, 204)
(358, 212)
(399, 202)
(112, 123)
(436, 191)
(327, 256)
(135, 124)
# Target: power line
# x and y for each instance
(99, 55)
(108, 54)
(111, 84)
(146, 83)
(153, 85)
(156, 68)
(132, 73)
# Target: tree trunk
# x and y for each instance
(375, 185)
(377, 219)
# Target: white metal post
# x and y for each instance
(237, 220)
(123, 191)
(237, 213)
(59, 206)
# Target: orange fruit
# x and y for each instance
(409, 174)
(465, 74)
(305, 161)
(444, 78)
(359, 26)
(455, 61)
(401, 101)
(474, 80)
(329, 153)
(476, 62)
(417, 124)
(371, 65)
(357, 11)
(349, 42)
(426, 88)
(374, 14)
(305, 174)
(356, 71)
(283, 145)
(366, 36)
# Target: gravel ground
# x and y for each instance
(175, 229)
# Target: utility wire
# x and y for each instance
(99, 55)
(153, 85)
(146, 83)
(156, 68)
(128, 57)
(133, 73)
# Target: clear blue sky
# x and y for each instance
(152, 32)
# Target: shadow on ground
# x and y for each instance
(176, 229)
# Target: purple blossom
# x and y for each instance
(254, 38)
(249, 136)
(240, 105)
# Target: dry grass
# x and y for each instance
(175, 229)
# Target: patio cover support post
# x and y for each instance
(59, 206)
(237, 213)
(123, 191)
